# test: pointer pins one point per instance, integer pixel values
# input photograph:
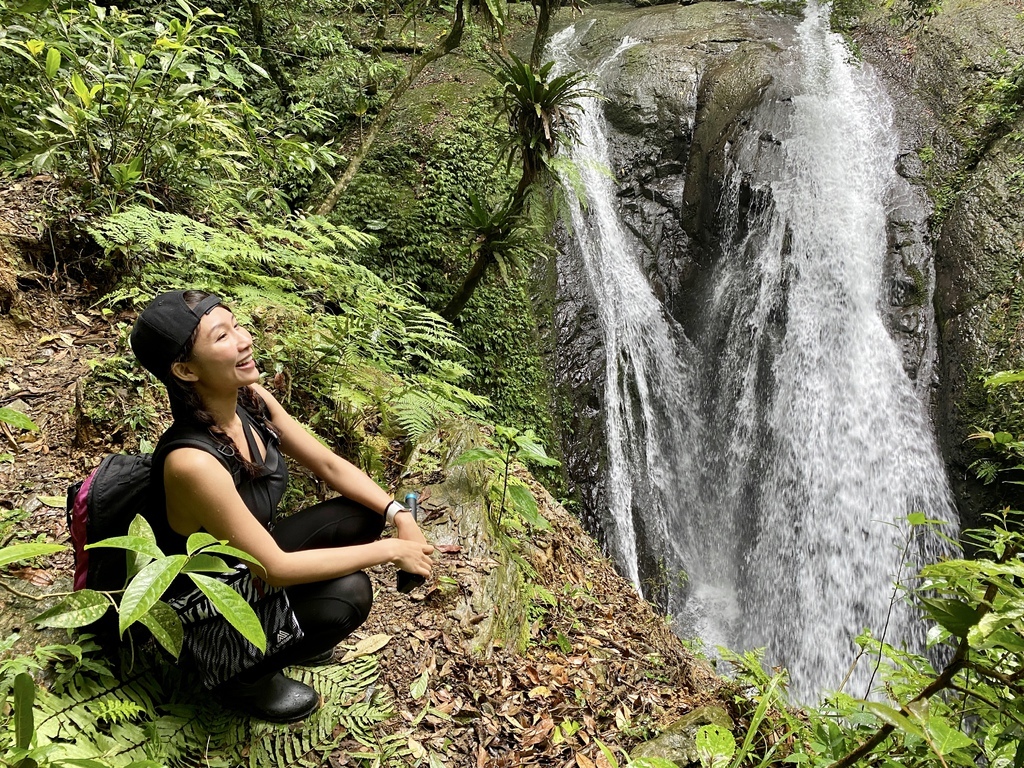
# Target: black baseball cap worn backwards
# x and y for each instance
(164, 328)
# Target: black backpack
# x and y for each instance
(105, 503)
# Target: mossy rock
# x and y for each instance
(677, 743)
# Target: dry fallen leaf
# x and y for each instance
(367, 646)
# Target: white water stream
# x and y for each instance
(775, 467)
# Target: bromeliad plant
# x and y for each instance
(540, 112)
(505, 491)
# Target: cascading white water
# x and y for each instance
(775, 461)
(653, 473)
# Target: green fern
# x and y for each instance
(156, 714)
(358, 350)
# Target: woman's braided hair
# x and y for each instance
(187, 406)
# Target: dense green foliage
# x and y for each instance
(99, 713)
(128, 107)
(969, 706)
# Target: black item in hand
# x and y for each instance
(407, 582)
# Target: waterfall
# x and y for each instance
(774, 459)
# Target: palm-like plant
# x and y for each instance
(540, 111)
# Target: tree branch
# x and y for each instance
(944, 680)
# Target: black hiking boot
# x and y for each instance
(274, 698)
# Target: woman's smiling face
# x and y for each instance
(222, 356)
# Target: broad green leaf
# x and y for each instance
(229, 551)
(205, 562)
(477, 454)
(419, 686)
(166, 627)
(233, 608)
(52, 62)
(652, 762)
(24, 719)
(137, 560)
(17, 419)
(147, 587)
(199, 540)
(953, 615)
(894, 718)
(1004, 377)
(945, 739)
(140, 527)
(131, 543)
(526, 506)
(81, 90)
(715, 744)
(35, 47)
(917, 518)
(76, 610)
(18, 552)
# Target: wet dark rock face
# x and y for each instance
(677, 104)
(961, 147)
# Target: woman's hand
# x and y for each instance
(412, 556)
(407, 529)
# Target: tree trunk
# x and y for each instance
(540, 35)
(266, 54)
(446, 46)
(465, 292)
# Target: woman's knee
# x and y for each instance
(344, 602)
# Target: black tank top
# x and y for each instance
(261, 493)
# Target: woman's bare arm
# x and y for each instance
(201, 494)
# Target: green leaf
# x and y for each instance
(147, 587)
(54, 502)
(17, 419)
(75, 610)
(478, 454)
(17, 552)
(131, 543)
(199, 540)
(715, 745)
(894, 718)
(233, 608)
(52, 62)
(419, 686)
(24, 719)
(526, 506)
(139, 559)
(224, 549)
(946, 739)
(952, 615)
(1004, 377)
(81, 90)
(166, 627)
(205, 562)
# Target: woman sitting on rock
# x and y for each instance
(221, 468)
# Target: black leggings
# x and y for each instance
(328, 611)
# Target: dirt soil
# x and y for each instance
(599, 664)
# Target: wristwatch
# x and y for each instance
(393, 509)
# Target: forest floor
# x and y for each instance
(599, 662)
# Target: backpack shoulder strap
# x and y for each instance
(194, 437)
